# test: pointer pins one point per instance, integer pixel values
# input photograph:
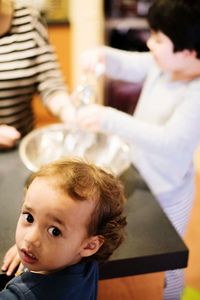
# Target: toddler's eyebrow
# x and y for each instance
(25, 206)
(56, 219)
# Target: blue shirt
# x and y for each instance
(76, 282)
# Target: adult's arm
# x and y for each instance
(51, 84)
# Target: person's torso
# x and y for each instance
(159, 100)
(19, 70)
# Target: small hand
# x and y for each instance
(12, 262)
(93, 61)
(91, 117)
(8, 136)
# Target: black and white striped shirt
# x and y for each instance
(27, 65)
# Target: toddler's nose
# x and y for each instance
(33, 237)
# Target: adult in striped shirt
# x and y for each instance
(28, 65)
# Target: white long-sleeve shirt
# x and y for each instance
(165, 130)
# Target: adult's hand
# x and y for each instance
(60, 104)
(8, 136)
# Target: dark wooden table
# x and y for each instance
(151, 245)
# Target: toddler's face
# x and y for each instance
(52, 228)
(163, 51)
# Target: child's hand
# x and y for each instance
(11, 261)
(90, 117)
(93, 61)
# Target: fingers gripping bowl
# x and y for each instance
(55, 141)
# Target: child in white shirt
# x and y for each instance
(164, 131)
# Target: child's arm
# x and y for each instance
(118, 64)
(179, 132)
(11, 261)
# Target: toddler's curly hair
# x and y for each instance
(83, 181)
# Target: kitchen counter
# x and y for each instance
(151, 244)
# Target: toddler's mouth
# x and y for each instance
(27, 257)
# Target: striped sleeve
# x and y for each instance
(28, 65)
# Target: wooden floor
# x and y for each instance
(142, 287)
(150, 286)
(192, 237)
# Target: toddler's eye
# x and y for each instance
(28, 217)
(54, 231)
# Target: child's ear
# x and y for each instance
(91, 245)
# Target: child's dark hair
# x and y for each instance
(179, 20)
(84, 181)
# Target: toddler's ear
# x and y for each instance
(92, 245)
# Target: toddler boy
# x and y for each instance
(71, 218)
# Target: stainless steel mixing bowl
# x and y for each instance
(55, 141)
